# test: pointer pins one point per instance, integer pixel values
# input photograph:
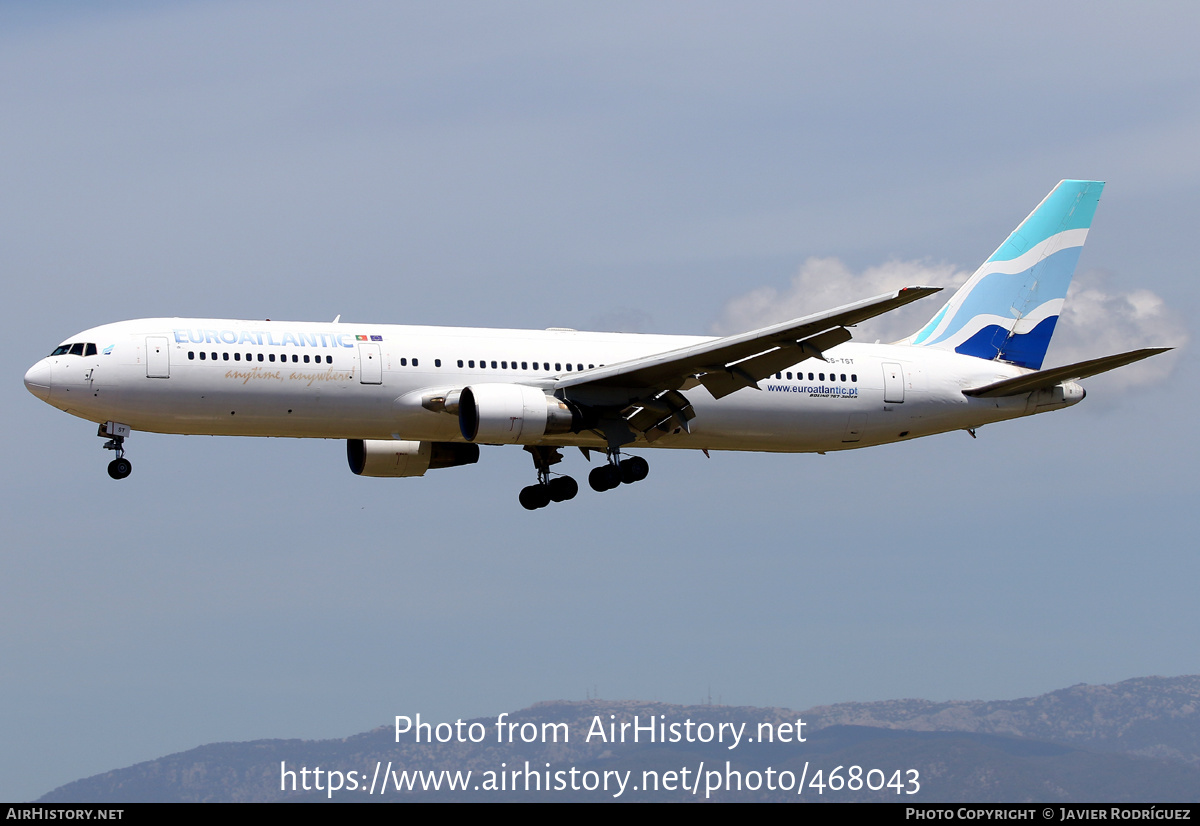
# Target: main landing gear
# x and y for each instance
(615, 472)
(618, 471)
(547, 490)
(119, 467)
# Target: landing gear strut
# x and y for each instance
(547, 490)
(618, 471)
(119, 467)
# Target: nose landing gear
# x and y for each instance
(119, 467)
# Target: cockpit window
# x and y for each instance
(77, 348)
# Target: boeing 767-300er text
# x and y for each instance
(408, 399)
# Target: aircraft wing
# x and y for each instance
(1056, 375)
(724, 365)
(646, 389)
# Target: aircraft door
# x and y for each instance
(158, 358)
(370, 364)
(893, 383)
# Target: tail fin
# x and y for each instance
(1007, 310)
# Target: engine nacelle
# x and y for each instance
(506, 414)
(388, 457)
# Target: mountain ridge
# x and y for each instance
(1134, 740)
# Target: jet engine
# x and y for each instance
(506, 414)
(387, 457)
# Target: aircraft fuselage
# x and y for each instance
(362, 381)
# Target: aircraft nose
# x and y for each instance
(37, 380)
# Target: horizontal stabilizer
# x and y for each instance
(1049, 378)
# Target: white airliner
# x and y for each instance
(408, 399)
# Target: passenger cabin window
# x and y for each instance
(225, 356)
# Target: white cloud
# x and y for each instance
(1097, 320)
(824, 283)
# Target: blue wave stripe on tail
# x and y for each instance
(996, 292)
(1022, 349)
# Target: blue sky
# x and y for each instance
(666, 167)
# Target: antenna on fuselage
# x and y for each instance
(337, 318)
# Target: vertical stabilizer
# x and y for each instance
(1007, 310)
